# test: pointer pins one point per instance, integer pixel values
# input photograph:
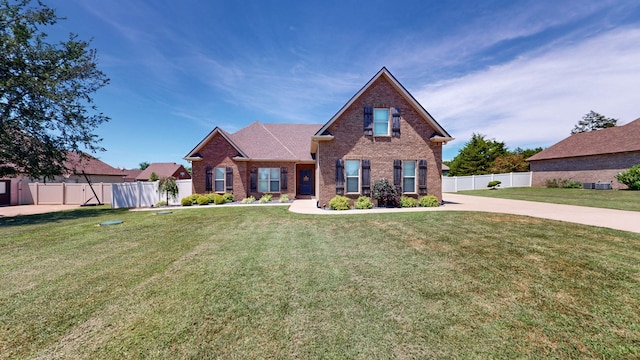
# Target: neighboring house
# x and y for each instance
(164, 170)
(96, 171)
(594, 156)
(130, 175)
(381, 132)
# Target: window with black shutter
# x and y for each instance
(366, 177)
(283, 179)
(340, 177)
(253, 182)
(229, 178)
(395, 122)
(397, 174)
(422, 177)
(368, 120)
(208, 179)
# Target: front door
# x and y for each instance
(306, 186)
(5, 192)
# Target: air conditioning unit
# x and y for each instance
(589, 185)
(603, 186)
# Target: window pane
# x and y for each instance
(409, 185)
(352, 167)
(275, 173)
(263, 174)
(263, 186)
(219, 173)
(409, 168)
(352, 185)
(219, 185)
(381, 115)
(275, 186)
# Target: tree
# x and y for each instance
(153, 176)
(46, 109)
(476, 157)
(593, 121)
(514, 161)
(168, 186)
(143, 165)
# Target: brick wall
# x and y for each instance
(350, 143)
(584, 169)
(219, 153)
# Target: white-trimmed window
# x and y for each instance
(218, 180)
(381, 122)
(268, 180)
(409, 176)
(352, 169)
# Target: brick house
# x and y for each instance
(381, 132)
(594, 156)
(164, 170)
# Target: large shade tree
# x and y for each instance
(46, 108)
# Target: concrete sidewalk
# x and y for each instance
(614, 219)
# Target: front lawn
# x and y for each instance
(608, 199)
(260, 282)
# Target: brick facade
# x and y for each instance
(350, 142)
(594, 168)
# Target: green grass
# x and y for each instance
(260, 282)
(608, 199)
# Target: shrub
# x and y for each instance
(228, 197)
(494, 184)
(428, 201)
(386, 193)
(407, 201)
(249, 200)
(211, 197)
(161, 203)
(203, 200)
(363, 202)
(339, 202)
(218, 199)
(284, 198)
(265, 198)
(631, 177)
(193, 198)
(187, 201)
(563, 183)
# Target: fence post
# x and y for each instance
(473, 182)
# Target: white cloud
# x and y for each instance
(536, 99)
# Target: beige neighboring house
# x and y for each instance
(164, 170)
(15, 191)
(590, 157)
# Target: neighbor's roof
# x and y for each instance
(611, 140)
(266, 141)
(441, 134)
(92, 166)
(161, 170)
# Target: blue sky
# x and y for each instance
(522, 72)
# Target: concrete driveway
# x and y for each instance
(8, 211)
(614, 219)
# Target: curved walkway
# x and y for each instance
(614, 219)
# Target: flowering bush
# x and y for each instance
(386, 193)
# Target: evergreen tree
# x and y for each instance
(593, 121)
(477, 156)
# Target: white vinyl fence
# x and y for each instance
(145, 194)
(479, 182)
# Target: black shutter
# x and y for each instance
(208, 183)
(340, 177)
(229, 180)
(283, 178)
(368, 120)
(397, 174)
(253, 183)
(366, 177)
(422, 177)
(395, 122)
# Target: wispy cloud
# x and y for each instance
(536, 99)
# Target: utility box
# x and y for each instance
(589, 185)
(603, 186)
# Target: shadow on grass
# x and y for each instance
(59, 216)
